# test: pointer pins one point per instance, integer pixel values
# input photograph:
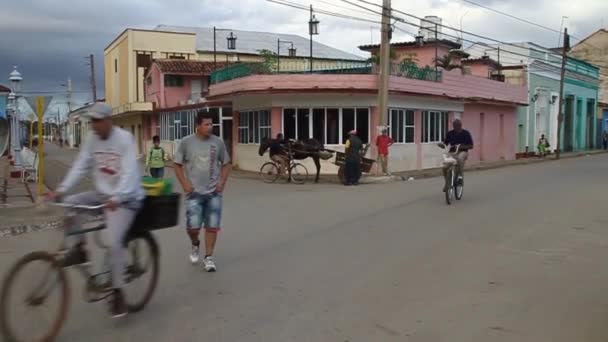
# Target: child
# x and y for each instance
(156, 159)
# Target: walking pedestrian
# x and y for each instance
(207, 166)
(155, 160)
(383, 142)
(352, 164)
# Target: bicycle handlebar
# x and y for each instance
(77, 206)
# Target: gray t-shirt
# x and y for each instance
(203, 161)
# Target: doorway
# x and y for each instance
(227, 134)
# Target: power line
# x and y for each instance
(338, 15)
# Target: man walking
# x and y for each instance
(352, 165)
(383, 142)
(207, 166)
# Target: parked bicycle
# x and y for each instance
(296, 172)
(454, 186)
(50, 284)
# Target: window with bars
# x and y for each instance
(401, 125)
(329, 126)
(434, 126)
(254, 126)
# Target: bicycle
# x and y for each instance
(138, 240)
(297, 173)
(454, 186)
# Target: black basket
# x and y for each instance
(158, 212)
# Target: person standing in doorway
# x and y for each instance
(383, 142)
(543, 144)
(352, 164)
(155, 160)
(207, 166)
(605, 140)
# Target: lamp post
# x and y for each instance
(313, 29)
(292, 51)
(231, 39)
(15, 81)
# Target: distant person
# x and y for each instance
(543, 145)
(605, 140)
(383, 142)
(352, 163)
(155, 160)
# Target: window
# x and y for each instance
(329, 125)
(174, 81)
(401, 125)
(254, 126)
(115, 65)
(434, 126)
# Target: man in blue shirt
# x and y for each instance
(462, 137)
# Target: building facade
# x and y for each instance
(128, 58)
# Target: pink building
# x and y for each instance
(177, 89)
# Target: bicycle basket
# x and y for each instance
(449, 160)
(158, 212)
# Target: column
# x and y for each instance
(418, 137)
(276, 120)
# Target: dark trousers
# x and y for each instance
(157, 172)
(352, 171)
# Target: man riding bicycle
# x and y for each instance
(110, 153)
(278, 154)
(462, 137)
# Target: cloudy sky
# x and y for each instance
(49, 39)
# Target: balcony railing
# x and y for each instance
(408, 70)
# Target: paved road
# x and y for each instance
(521, 258)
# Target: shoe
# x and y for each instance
(77, 255)
(209, 265)
(118, 307)
(194, 255)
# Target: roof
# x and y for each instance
(482, 60)
(250, 42)
(139, 30)
(591, 35)
(4, 89)
(446, 42)
(184, 66)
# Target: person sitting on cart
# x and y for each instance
(352, 162)
(278, 153)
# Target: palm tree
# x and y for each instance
(447, 62)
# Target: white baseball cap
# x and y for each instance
(99, 110)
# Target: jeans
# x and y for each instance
(157, 172)
(118, 222)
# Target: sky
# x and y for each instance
(48, 39)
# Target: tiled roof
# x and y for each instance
(482, 60)
(249, 42)
(4, 89)
(184, 66)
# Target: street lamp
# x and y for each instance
(313, 29)
(15, 81)
(292, 51)
(231, 39)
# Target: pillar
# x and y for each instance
(418, 137)
(276, 120)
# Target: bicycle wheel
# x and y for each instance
(142, 271)
(299, 173)
(458, 188)
(449, 193)
(44, 285)
(269, 172)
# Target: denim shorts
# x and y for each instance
(203, 210)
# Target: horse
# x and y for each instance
(301, 149)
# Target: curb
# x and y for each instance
(22, 229)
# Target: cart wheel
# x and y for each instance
(341, 174)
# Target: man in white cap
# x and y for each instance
(352, 163)
(110, 153)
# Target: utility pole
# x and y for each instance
(69, 86)
(560, 116)
(93, 83)
(385, 64)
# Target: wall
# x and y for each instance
(480, 70)
(490, 144)
(128, 122)
(527, 117)
(116, 81)
(594, 51)
(153, 90)
(582, 92)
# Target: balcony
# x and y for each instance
(132, 107)
(407, 70)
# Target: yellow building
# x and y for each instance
(127, 58)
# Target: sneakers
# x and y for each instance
(118, 306)
(77, 255)
(194, 255)
(208, 264)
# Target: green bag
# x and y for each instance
(157, 187)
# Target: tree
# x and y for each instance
(269, 60)
(447, 62)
